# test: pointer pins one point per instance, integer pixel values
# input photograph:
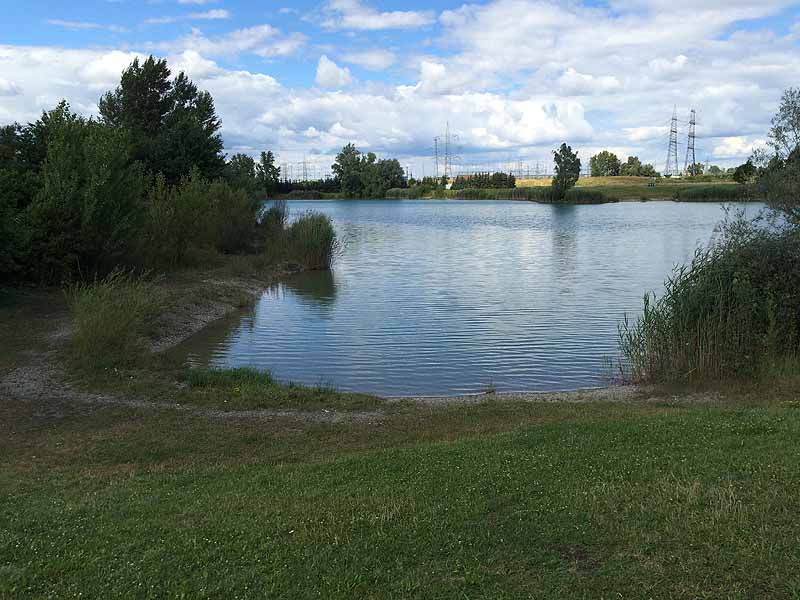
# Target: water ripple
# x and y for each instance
(447, 297)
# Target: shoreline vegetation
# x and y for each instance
(588, 191)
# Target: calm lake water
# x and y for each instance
(450, 297)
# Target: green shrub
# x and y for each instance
(276, 216)
(12, 241)
(112, 317)
(178, 217)
(311, 241)
(236, 217)
(731, 312)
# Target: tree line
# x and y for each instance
(142, 186)
(482, 181)
(606, 164)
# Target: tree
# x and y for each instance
(744, 173)
(240, 173)
(695, 169)
(347, 169)
(604, 164)
(784, 135)
(632, 167)
(568, 169)
(267, 174)
(392, 174)
(779, 175)
(648, 170)
(715, 171)
(85, 216)
(173, 126)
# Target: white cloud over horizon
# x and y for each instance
(512, 77)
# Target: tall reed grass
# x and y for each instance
(112, 317)
(276, 216)
(312, 241)
(309, 241)
(734, 311)
(733, 192)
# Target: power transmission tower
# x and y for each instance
(447, 141)
(672, 152)
(436, 154)
(447, 165)
(689, 167)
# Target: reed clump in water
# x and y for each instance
(312, 241)
(734, 311)
(309, 241)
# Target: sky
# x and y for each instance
(512, 78)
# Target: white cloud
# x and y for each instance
(513, 77)
(209, 15)
(330, 75)
(354, 14)
(574, 83)
(262, 40)
(79, 25)
(376, 59)
(9, 88)
(737, 147)
(668, 67)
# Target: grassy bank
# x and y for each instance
(594, 190)
(700, 189)
(309, 195)
(493, 500)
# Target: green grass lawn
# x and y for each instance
(495, 500)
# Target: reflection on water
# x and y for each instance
(318, 288)
(447, 297)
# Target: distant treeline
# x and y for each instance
(482, 181)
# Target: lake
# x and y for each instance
(446, 297)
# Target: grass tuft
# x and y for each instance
(247, 388)
(241, 377)
(112, 317)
